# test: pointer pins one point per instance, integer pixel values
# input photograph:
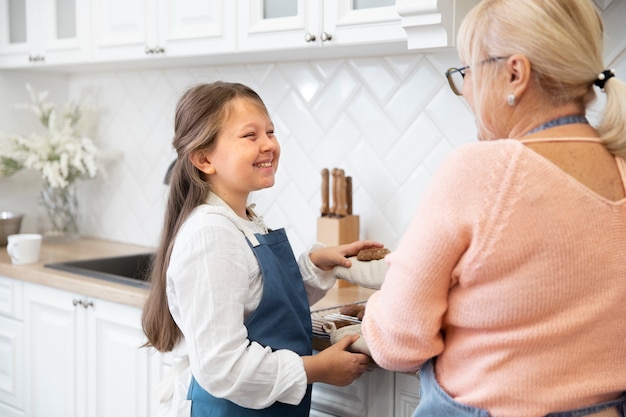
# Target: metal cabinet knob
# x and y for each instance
(156, 50)
(326, 36)
(309, 37)
(85, 303)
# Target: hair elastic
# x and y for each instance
(603, 77)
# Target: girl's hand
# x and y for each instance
(335, 365)
(330, 256)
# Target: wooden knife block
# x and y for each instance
(333, 231)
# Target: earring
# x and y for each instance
(511, 100)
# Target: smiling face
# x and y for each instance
(245, 156)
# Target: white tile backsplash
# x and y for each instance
(387, 121)
(377, 118)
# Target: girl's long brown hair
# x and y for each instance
(200, 112)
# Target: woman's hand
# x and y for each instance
(335, 365)
(330, 256)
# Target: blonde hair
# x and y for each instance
(200, 114)
(562, 39)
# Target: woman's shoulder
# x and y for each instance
(487, 149)
(487, 156)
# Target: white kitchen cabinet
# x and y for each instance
(141, 29)
(84, 357)
(42, 33)
(372, 395)
(12, 358)
(407, 394)
(297, 24)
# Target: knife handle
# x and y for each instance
(341, 194)
(349, 195)
(325, 191)
(333, 208)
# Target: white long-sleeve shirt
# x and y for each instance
(213, 283)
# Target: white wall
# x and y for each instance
(20, 193)
(386, 121)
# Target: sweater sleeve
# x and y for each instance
(403, 321)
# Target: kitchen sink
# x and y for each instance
(130, 269)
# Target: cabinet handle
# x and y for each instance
(326, 36)
(85, 304)
(309, 37)
(156, 50)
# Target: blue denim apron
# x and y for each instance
(282, 321)
(435, 402)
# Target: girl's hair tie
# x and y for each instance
(603, 77)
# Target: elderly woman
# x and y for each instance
(508, 290)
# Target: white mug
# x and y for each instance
(23, 248)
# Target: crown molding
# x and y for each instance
(432, 23)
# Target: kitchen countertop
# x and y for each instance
(78, 249)
(89, 248)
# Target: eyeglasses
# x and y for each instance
(455, 76)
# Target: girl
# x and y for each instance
(228, 297)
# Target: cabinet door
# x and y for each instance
(15, 40)
(64, 32)
(407, 394)
(12, 359)
(361, 22)
(54, 350)
(369, 396)
(157, 28)
(12, 365)
(43, 33)
(11, 298)
(120, 373)
(279, 24)
(195, 27)
(123, 29)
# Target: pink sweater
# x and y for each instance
(513, 274)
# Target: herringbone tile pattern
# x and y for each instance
(387, 121)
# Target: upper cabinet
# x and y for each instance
(297, 24)
(49, 33)
(141, 29)
(34, 33)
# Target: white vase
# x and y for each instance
(59, 217)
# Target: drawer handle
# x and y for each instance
(85, 304)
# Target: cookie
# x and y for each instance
(353, 310)
(372, 254)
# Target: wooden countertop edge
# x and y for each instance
(89, 287)
(90, 248)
